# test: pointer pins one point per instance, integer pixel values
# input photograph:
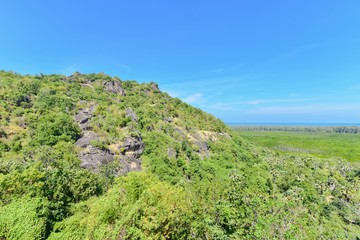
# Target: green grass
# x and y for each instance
(319, 144)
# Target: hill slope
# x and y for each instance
(94, 157)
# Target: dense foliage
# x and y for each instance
(199, 179)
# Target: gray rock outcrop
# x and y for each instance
(114, 87)
(168, 119)
(132, 149)
(155, 87)
(134, 145)
(131, 114)
(93, 158)
(171, 153)
(86, 138)
(83, 117)
(127, 156)
(202, 144)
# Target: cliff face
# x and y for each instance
(90, 156)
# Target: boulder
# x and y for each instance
(202, 144)
(130, 163)
(22, 122)
(133, 146)
(155, 87)
(203, 148)
(168, 119)
(181, 132)
(147, 92)
(130, 113)
(83, 116)
(171, 153)
(114, 87)
(86, 138)
(93, 158)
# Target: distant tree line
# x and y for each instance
(337, 129)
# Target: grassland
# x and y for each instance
(321, 144)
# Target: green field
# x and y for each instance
(320, 144)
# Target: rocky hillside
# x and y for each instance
(90, 156)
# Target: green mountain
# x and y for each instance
(90, 156)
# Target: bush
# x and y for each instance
(53, 128)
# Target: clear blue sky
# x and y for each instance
(244, 61)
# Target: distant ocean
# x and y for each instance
(234, 124)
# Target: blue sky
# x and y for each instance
(243, 61)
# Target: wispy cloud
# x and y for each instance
(233, 105)
(262, 101)
(173, 94)
(219, 106)
(70, 69)
(224, 82)
(307, 109)
(237, 66)
(217, 70)
(293, 53)
(194, 98)
(123, 67)
(228, 68)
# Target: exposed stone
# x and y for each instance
(72, 77)
(114, 87)
(199, 141)
(86, 138)
(92, 157)
(83, 116)
(130, 113)
(130, 163)
(203, 148)
(171, 153)
(22, 122)
(147, 92)
(155, 87)
(131, 150)
(133, 145)
(180, 132)
(168, 119)
(332, 186)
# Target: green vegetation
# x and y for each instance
(337, 129)
(318, 143)
(198, 178)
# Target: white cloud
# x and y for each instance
(307, 109)
(70, 69)
(124, 67)
(194, 98)
(262, 101)
(172, 93)
(221, 106)
(233, 105)
(293, 53)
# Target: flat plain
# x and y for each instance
(320, 144)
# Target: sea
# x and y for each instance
(258, 124)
